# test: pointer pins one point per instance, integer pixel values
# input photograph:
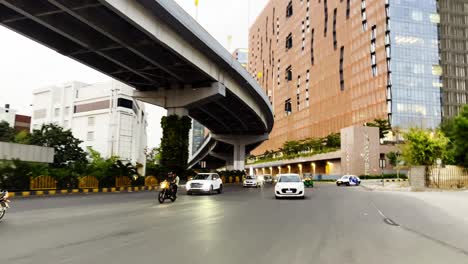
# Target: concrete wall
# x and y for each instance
(417, 178)
(360, 148)
(9, 151)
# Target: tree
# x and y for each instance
(423, 147)
(175, 142)
(153, 155)
(22, 137)
(456, 130)
(333, 140)
(383, 125)
(394, 159)
(448, 128)
(7, 133)
(67, 148)
(291, 147)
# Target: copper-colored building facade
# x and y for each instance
(323, 97)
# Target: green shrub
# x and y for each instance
(15, 175)
(386, 176)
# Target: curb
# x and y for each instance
(82, 190)
(394, 180)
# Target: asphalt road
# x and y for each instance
(332, 225)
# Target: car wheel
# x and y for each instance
(276, 197)
(189, 193)
(347, 184)
(211, 190)
(220, 189)
(337, 184)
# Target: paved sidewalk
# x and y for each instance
(376, 185)
(454, 203)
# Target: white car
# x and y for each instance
(348, 180)
(289, 185)
(204, 183)
(251, 181)
(268, 178)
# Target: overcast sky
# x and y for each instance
(26, 65)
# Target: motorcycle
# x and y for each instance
(4, 203)
(166, 192)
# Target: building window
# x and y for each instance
(372, 50)
(91, 121)
(325, 10)
(289, 9)
(287, 106)
(341, 68)
(312, 46)
(303, 36)
(289, 73)
(363, 15)
(56, 112)
(66, 123)
(66, 111)
(289, 41)
(307, 88)
(77, 93)
(348, 8)
(90, 136)
(335, 42)
(298, 91)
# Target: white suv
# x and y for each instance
(204, 183)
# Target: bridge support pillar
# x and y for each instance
(239, 142)
(239, 156)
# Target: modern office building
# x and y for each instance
(330, 64)
(453, 32)
(18, 122)
(103, 115)
(242, 56)
(196, 136)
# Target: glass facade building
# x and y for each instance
(453, 33)
(197, 134)
(326, 65)
(415, 73)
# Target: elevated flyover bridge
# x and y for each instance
(157, 48)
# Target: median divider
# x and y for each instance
(81, 190)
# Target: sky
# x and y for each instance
(26, 65)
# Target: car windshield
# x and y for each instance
(345, 177)
(201, 177)
(250, 177)
(289, 178)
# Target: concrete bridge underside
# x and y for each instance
(157, 48)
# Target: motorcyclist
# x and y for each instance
(173, 180)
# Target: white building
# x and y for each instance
(103, 115)
(7, 114)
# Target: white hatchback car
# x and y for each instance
(348, 180)
(289, 185)
(204, 183)
(251, 181)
